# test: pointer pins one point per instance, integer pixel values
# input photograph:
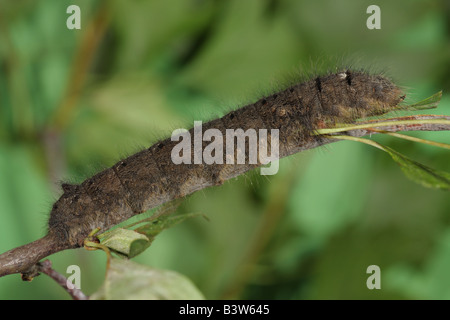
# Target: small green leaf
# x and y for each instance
(130, 243)
(153, 228)
(420, 173)
(414, 170)
(127, 280)
(126, 242)
(138, 246)
(428, 103)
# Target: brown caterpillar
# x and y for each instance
(149, 178)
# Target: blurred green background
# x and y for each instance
(73, 102)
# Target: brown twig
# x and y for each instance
(22, 259)
(46, 267)
(83, 58)
(262, 235)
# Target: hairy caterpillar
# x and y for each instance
(149, 178)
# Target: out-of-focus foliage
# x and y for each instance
(75, 101)
(127, 280)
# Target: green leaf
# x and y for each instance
(420, 173)
(130, 243)
(127, 280)
(126, 242)
(414, 170)
(153, 228)
(428, 103)
(138, 246)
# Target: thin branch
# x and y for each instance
(23, 259)
(395, 127)
(264, 231)
(46, 267)
(83, 59)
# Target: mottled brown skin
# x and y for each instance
(149, 178)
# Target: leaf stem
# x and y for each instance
(415, 139)
(345, 127)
